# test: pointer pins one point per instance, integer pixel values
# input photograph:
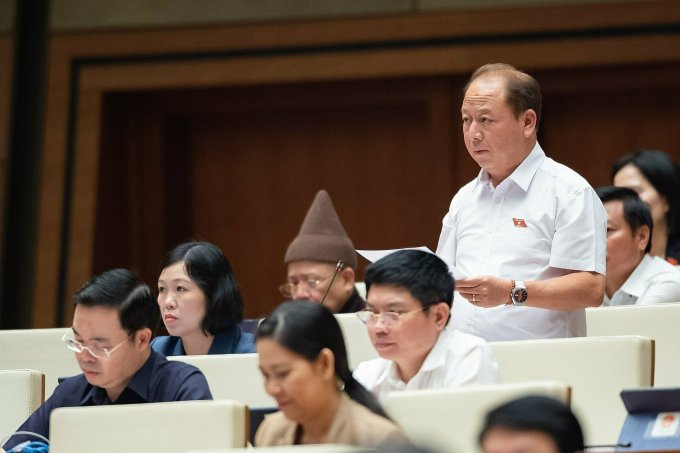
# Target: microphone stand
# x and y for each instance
(338, 267)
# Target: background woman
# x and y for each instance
(304, 364)
(656, 178)
(200, 303)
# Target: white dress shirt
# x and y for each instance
(654, 281)
(541, 222)
(455, 360)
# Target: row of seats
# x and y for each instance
(38, 349)
(461, 408)
(21, 392)
(222, 425)
(596, 368)
(42, 349)
(658, 322)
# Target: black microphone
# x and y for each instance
(338, 267)
(618, 445)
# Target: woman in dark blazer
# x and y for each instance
(200, 303)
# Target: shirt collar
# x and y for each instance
(437, 355)
(435, 359)
(95, 397)
(392, 376)
(139, 384)
(634, 285)
(523, 174)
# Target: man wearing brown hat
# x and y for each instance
(312, 259)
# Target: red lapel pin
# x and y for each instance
(519, 223)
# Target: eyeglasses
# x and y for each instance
(288, 290)
(96, 352)
(389, 318)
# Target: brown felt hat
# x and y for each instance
(322, 237)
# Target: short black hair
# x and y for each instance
(207, 266)
(664, 174)
(124, 291)
(635, 211)
(538, 413)
(425, 275)
(306, 328)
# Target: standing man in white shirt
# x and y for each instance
(528, 232)
(633, 276)
(408, 307)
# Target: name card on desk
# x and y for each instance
(653, 421)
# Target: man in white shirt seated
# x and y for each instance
(633, 276)
(409, 297)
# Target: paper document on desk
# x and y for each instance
(375, 255)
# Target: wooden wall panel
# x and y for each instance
(594, 117)
(243, 172)
(86, 68)
(254, 175)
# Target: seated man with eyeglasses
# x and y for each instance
(321, 261)
(410, 293)
(115, 313)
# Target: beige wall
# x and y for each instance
(433, 5)
(79, 14)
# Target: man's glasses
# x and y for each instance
(96, 352)
(389, 319)
(288, 290)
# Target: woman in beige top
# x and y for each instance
(304, 363)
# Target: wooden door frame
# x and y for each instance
(83, 67)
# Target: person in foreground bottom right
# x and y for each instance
(536, 424)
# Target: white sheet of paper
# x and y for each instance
(375, 255)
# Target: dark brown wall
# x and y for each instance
(595, 115)
(226, 133)
(239, 167)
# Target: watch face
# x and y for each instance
(520, 295)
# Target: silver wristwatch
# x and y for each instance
(519, 293)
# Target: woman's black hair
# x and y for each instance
(306, 328)
(207, 266)
(664, 174)
(538, 413)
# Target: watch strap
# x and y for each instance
(512, 288)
